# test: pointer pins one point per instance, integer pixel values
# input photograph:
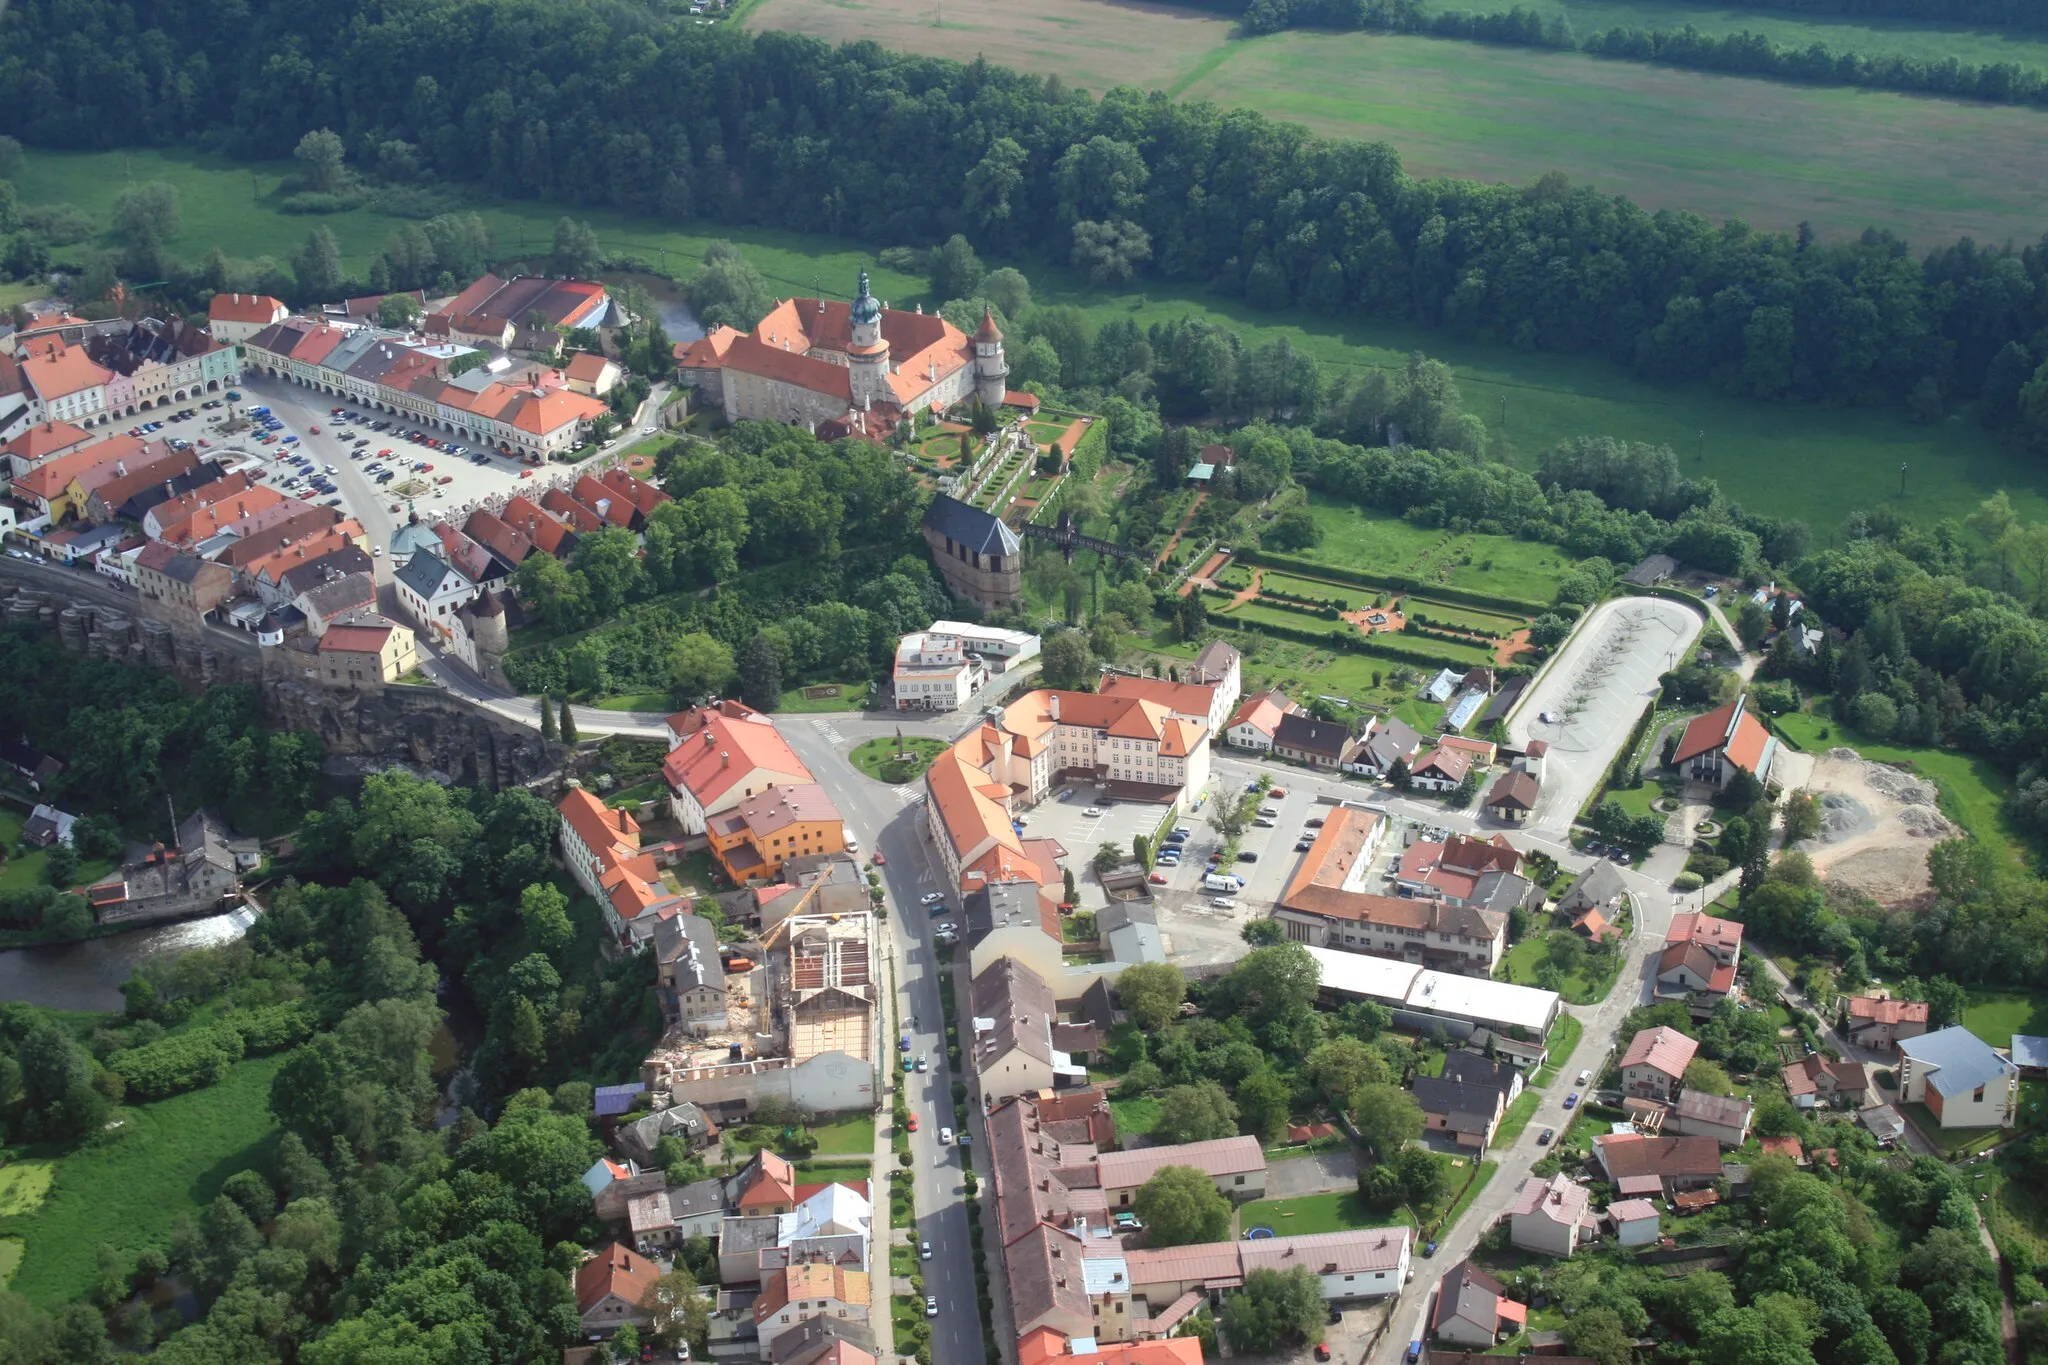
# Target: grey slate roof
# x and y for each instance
(337, 595)
(1469, 1068)
(1390, 741)
(2029, 1050)
(423, 573)
(971, 527)
(1437, 1096)
(1297, 730)
(1963, 1061)
(1597, 885)
(675, 936)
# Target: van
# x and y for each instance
(1222, 881)
(852, 844)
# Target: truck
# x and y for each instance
(1222, 881)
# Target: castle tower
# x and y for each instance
(991, 371)
(867, 351)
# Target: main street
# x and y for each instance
(888, 819)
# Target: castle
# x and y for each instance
(816, 361)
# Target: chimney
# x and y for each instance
(1055, 706)
(725, 759)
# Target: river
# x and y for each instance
(88, 975)
(676, 318)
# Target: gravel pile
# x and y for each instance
(1843, 817)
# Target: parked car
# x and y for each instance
(924, 1251)
(923, 1064)
(1571, 1101)
(930, 898)
(931, 1306)
(913, 1123)
(945, 1137)
(1543, 1138)
(1247, 856)
(1092, 810)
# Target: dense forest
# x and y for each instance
(609, 105)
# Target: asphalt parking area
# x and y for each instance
(1081, 834)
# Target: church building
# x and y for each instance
(814, 361)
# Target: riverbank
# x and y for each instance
(86, 974)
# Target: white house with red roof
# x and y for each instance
(601, 848)
(1551, 1216)
(237, 317)
(1723, 740)
(1654, 1065)
(1699, 959)
(720, 755)
(1253, 724)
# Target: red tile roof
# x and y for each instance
(614, 1271)
(1664, 1048)
(718, 746)
(586, 367)
(1887, 1011)
(244, 308)
(46, 439)
(356, 639)
(1730, 728)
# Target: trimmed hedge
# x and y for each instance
(1085, 459)
(1289, 602)
(1346, 641)
(1396, 582)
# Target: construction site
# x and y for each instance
(801, 1026)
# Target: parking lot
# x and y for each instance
(447, 491)
(1586, 703)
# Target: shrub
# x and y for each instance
(1687, 881)
(185, 1061)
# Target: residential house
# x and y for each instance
(1885, 1124)
(182, 583)
(1045, 1346)
(324, 603)
(1011, 1048)
(432, 591)
(1236, 1165)
(827, 1341)
(35, 767)
(601, 848)
(1512, 797)
(1440, 769)
(1301, 738)
(1470, 1113)
(1600, 887)
(685, 1121)
(1961, 1079)
(366, 651)
(1472, 1309)
(1655, 1062)
(1815, 1080)
(1474, 1068)
(1551, 1216)
(1360, 1263)
(798, 1293)
(1636, 1164)
(1256, 720)
(612, 1184)
(1636, 1222)
(689, 975)
(237, 317)
(1220, 666)
(1386, 743)
(1456, 870)
(935, 672)
(1880, 1022)
(1723, 1118)
(1725, 740)
(1699, 960)
(612, 1289)
(46, 825)
(720, 754)
(752, 840)
(1011, 919)
(591, 374)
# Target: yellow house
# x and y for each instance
(366, 651)
(754, 839)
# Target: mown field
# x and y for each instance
(1817, 463)
(1841, 33)
(168, 1159)
(1933, 170)
(1362, 542)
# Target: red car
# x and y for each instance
(526, 473)
(1157, 879)
(314, 430)
(878, 860)
(427, 468)
(1277, 791)
(913, 1123)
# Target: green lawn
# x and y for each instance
(639, 701)
(1312, 1213)
(1517, 1118)
(168, 1159)
(852, 696)
(1454, 617)
(1973, 790)
(25, 870)
(1564, 1037)
(885, 760)
(1587, 985)
(1251, 615)
(1372, 542)
(1134, 1116)
(1818, 462)
(850, 1135)
(1636, 800)
(1464, 1201)
(1995, 1016)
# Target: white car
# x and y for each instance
(647, 431)
(931, 1306)
(945, 1137)
(931, 898)
(1092, 810)
(924, 1251)
(377, 550)
(1585, 1076)
(1223, 902)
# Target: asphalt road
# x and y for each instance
(890, 819)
